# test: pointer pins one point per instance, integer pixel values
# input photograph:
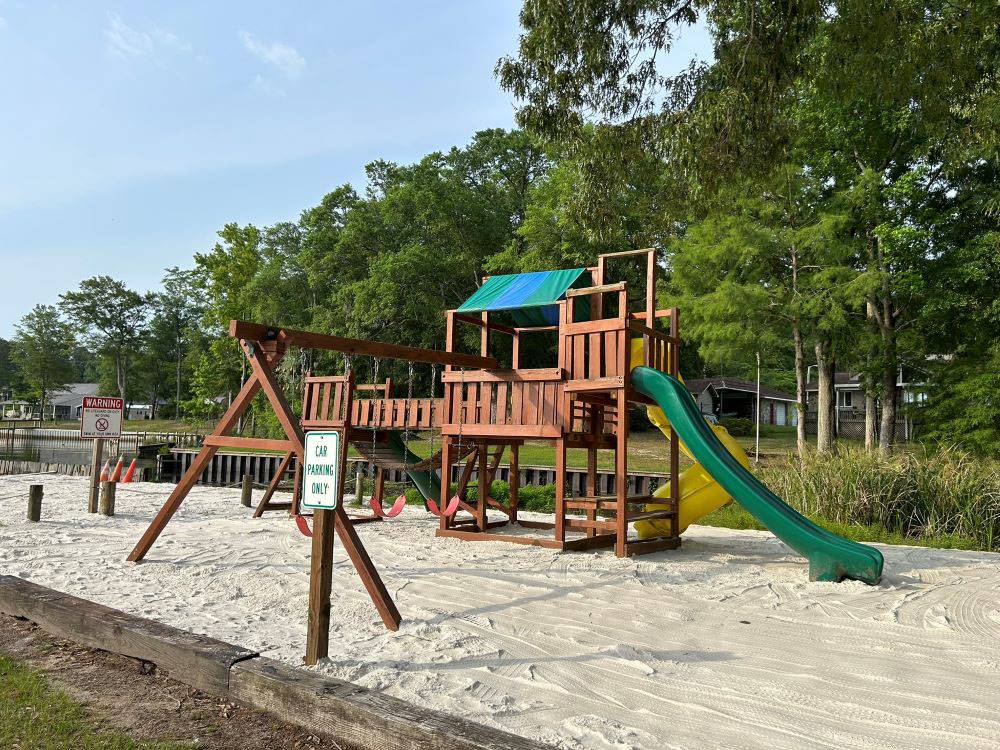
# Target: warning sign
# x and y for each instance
(102, 417)
(321, 470)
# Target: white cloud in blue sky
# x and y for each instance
(281, 56)
(124, 41)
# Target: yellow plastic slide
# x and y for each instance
(700, 494)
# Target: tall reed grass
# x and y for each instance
(920, 495)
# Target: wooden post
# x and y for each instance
(108, 498)
(514, 481)
(560, 530)
(359, 484)
(35, 502)
(592, 476)
(97, 454)
(483, 487)
(246, 491)
(621, 475)
(320, 582)
(273, 486)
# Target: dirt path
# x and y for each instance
(134, 697)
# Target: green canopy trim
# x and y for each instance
(531, 297)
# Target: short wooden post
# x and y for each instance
(247, 490)
(97, 453)
(108, 498)
(35, 502)
(359, 484)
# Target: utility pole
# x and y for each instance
(756, 449)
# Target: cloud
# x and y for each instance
(125, 42)
(282, 56)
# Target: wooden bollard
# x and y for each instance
(108, 498)
(35, 502)
(247, 490)
(359, 486)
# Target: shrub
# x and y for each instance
(737, 426)
(919, 495)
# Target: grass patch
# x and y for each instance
(35, 715)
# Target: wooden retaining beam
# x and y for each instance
(355, 717)
(197, 660)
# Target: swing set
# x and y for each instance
(579, 400)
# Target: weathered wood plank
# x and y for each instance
(358, 718)
(196, 660)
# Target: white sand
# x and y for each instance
(723, 643)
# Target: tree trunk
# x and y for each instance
(120, 372)
(890, 367)
(825, 405)
(177, 393)
(871, 430)
(800, 389)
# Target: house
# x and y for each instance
(68, 402)
(849, 416)
(15, 408)
(729, 397)
(139, 411)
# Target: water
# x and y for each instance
(60, 446)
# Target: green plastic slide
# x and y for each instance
(425, 481)
(831, 558)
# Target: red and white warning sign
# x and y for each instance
(102, 417)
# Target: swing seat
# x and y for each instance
(395, 510)
(449, 509)
(303, 525)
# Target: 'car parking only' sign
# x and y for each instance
(321, 470)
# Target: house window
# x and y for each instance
(844, 399)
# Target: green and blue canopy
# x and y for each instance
(530, 297)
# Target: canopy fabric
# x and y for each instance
(531, 297)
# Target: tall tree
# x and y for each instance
(177, 311)
(41, 350)
(112, 318)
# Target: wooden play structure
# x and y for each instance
(580, 399)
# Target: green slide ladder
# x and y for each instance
(831, 557)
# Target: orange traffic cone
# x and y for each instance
(106, 471)
(129, 473)
(116, 475)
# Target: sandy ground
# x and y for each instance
(723, 643)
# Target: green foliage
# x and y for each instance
(921, 495)
(738, 426)
(41, 350)
(962, 404)
(112, 319)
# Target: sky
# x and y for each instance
(130, 133)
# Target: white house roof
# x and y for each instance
(73, 393)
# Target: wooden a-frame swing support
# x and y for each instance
(265, 347)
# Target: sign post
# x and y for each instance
(100, 420)
(323, 456)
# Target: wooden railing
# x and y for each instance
(419, 413)
(595, 354)
(524, 403)
(660, 350)
(324, 402)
